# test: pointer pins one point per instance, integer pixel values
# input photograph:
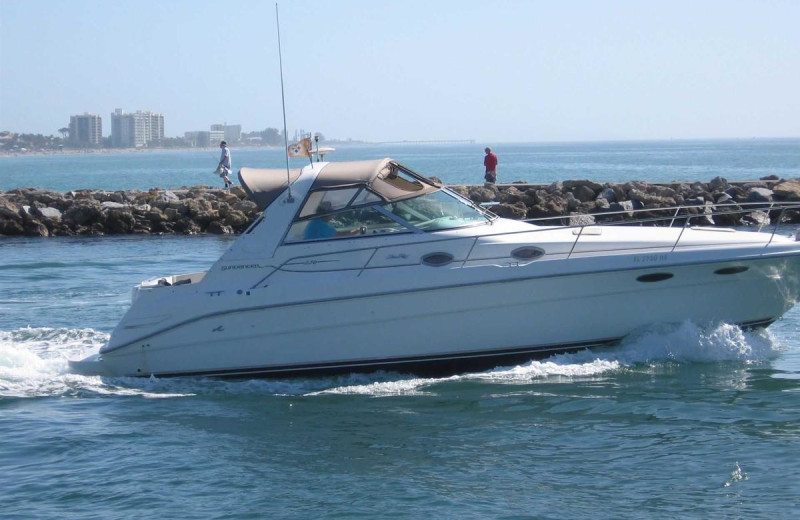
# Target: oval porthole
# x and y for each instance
(437, 259)
(527, 253)
(654, 277)
(732, 270)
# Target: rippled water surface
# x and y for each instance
(656, 161)
(681, 421)
(686, 421)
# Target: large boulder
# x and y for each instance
(187, 226)
(173, 214)
(517, 211)
(166, 196)
(247, 207)
(585, 183)
(11, 223)
(572, 202)
(787, 190)
(11, 228)
(120, 221)
(236, 220)
(482, 194)
(556, 187)
(650, 200)
(625, 205)
(9, 210)
(205, 213)
(759, 195)
(47, 198)
(108, 205)
(608, 194)
(555, 207)
(460, 189)
(538, 211)
(756, 218)
(661, 191)
(217, 228)
(83, 212)
(155, 216)
(510, 195)
(584, 193)
(718, 184)
(36, 228)
(51, 213)
(601, 204)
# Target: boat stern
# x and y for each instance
(89, 366)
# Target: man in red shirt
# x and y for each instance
(490, 161)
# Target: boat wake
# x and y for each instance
(33, 363)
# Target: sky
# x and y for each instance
(499, 71)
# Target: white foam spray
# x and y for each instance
(683, 343)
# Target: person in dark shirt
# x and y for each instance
(490, 162)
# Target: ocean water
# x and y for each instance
(679, 421)
(658, 161)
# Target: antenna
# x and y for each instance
(283, 104)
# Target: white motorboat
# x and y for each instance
(366, 266)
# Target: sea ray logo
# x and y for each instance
(218, 329)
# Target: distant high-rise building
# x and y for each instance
(215, 136)
(86, 129)
(156, 127)
(190, 138)
(204, 138)
(233, 133)
(136, 129)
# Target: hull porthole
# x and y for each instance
(654, 277)
(732, 270)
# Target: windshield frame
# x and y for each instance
(382, 207)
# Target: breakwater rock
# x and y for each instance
(37, 212)
(201, 209)
(585, 202)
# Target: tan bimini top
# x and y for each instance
(385, 177)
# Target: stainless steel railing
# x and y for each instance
(671, 215)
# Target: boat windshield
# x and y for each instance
(354, 212)
(436, 211)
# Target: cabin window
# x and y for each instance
(352, 223)
(365, 197)
(325, 201)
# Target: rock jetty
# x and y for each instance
(202, 209)
(38, 212)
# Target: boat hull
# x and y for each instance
(461, 327)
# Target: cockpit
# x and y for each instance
(365, 198)
(394, 200)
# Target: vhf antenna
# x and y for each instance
(283, 104)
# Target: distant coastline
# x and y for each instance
(109, 151)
